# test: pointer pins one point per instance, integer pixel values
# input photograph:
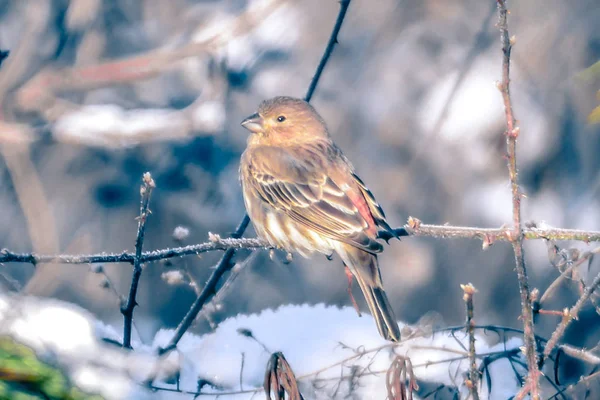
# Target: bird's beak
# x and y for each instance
(253, 123)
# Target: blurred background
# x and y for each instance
(96, 92)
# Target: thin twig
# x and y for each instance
(242, 371)
(512, 133)
(107, 283)
(570, 315)
(314, 376)
(7, 256)
(579, 353)
(40, 91)
(209, 290)
(238, 267)
(487, 235)
(127, 309)
(329, 49)
(584, 257)
(469, 290)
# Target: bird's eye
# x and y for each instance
(281, 118)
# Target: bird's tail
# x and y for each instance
(365, 268)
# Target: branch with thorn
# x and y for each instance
(532, 386)
(488, 236)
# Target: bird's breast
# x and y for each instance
(283, 232)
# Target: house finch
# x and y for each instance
(303, 196)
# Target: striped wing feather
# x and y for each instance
(300, 188)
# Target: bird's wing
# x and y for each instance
(374, 207)
(311, 189)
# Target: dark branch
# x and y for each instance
(208, 291)
(329, 49)
(127, 309)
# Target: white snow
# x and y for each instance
(327, 340)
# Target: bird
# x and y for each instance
(303, 195)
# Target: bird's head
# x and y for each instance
(285, 120)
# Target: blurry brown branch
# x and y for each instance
(38, 93)
(72, 122)
(127, 309)
(516, 234)
(216, 243)
(36, 207)
(473, 380)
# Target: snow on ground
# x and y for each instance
(346, 349)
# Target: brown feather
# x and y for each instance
(365, 268)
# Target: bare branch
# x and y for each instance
(487, 235)
(208, 291)
(236, 270)
(587, 256)
(469, 290)
(7, 256)
(38, 93)
(329, 49)
(570, 315)
(516, 234)
(127, 309)
(584, 355)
